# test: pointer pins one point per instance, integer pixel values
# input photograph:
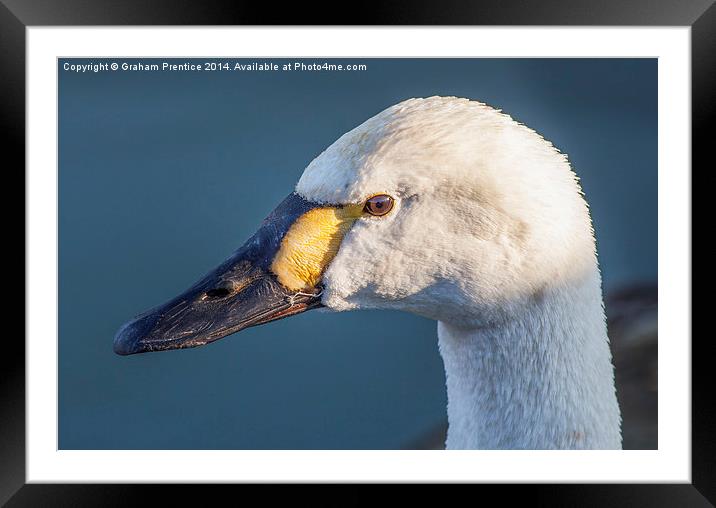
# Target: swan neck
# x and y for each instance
(541, 380)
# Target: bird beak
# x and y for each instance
(241, 292)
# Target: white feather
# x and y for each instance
(491, 237)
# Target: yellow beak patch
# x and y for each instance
(310, 244)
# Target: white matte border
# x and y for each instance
(671, 462)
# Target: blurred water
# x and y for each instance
(162, 175)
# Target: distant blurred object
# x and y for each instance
(632, 319)
(633, 330)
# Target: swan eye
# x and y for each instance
(379, 205)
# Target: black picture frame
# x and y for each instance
(16, 15)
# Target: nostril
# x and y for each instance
(215, 293)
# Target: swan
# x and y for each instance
(447, 208)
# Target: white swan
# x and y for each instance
(450, 209)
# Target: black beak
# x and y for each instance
(240, 293)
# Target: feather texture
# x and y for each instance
(491, 236)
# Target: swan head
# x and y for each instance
(443, 207)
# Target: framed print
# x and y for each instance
(526, 187)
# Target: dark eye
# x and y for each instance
(379, 205)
